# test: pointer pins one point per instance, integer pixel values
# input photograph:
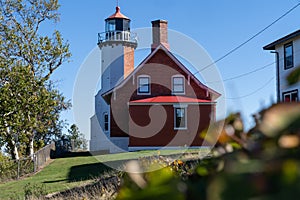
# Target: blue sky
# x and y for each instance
(218, 26)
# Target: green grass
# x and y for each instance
(55, 177)
(66, 173)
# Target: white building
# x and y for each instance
(117, 45)
(287, 50)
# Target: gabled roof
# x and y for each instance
(118, 15)
(272, 45)
(171, 99)
(162, 47)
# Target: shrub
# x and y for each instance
(34, 191)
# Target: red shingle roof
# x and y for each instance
(171, 99)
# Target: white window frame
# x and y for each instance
(290, 93)
(138, 85)
(180, 106)
(105, 122)
(178, 92)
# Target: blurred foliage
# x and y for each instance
(261, 164)
(294, 76)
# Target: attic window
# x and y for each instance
(144, 85)
(178, 84)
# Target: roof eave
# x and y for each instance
(286, 38)
(269, 47)
(215, 94)
(116, 17)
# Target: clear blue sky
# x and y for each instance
(219, 26)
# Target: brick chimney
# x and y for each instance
(160, 34)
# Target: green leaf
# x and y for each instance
(294, 76)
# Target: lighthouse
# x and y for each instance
(117, 44)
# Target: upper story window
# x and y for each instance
(178, 84)
(291, 96)
(144, 85)
(106, 122)
(288, 56)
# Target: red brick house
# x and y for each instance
(160, 103)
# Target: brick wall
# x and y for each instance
(167, 136)
(160, 68)
(128, 60)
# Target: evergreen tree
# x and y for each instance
(77, 138)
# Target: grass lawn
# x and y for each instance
(66, 173)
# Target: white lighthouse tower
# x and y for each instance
(117, 45)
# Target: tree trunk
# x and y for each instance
(16, 153)
(31, 151)
(14, 150)
(12, 145)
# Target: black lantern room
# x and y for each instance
(117, 22)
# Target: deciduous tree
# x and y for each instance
(30, 105)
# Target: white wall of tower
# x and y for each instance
(112, 68)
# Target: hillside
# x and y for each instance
(66, 173)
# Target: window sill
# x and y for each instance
(178, 93)
(138, 93)
(180, 129)
(287, 68)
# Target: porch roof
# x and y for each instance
(171, 99)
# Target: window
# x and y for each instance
(288, 56)
(126, 25)
(106, 123)
(291, 96)
(111, 26)
(144, 85)
(178, 84)
(180, 120)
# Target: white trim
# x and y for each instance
(180, 105)
(142, 148)
(115, 95)
(138, 84)
(185, 118)
(172, 83)
(133, 79)
(290, 93)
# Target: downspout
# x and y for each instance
(277, 74)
